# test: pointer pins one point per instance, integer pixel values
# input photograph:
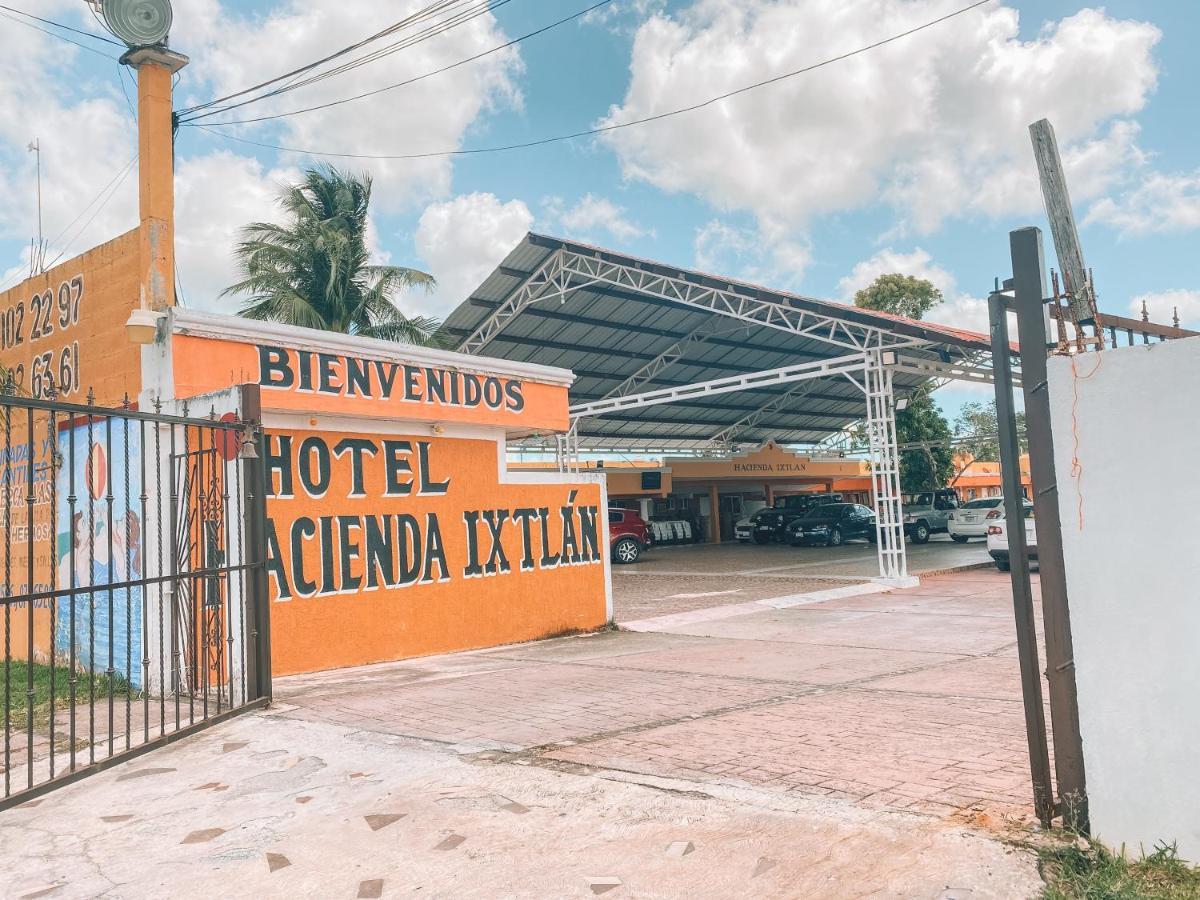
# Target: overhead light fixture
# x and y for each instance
(142, 325)
(139, 23)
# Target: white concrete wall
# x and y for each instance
(1127, 457)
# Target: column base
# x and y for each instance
(908, 581)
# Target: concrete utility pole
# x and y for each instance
(1062, 221)
(156, 171)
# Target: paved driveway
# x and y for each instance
(856, 745)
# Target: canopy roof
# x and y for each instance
(626, 325)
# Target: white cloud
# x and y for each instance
(936, 123)
(1162, 306)
(461, 241)
(86, 138)
(231, 51)
(1161, 203)
(215, 196)
(958, 309)
(589, 216)
(767, 253)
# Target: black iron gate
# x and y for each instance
(134, 608)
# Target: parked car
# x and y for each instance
(973, 517)
(772, 523)
(997, 538)
(628, 536)
(743, 528)
(831, 524)
(928, 512)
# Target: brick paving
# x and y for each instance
(908, 700)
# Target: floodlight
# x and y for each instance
(139, 23)
(901, 404)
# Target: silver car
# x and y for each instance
(972, 518)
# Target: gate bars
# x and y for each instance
(134, 609)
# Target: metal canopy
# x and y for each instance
(628, 326)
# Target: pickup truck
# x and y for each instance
(928, 512)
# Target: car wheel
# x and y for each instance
(835, 538)
(1003, 565)
(626, 551)
(959, 538)
(920, 533)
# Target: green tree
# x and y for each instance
(314, 270)
(900, 295)
(977, 422)
(931, 465)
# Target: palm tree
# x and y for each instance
(314, 270)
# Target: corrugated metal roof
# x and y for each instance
(605, 334)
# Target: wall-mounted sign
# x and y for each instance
(386, 546)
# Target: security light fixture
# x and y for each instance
(139, 23)
(901, 404)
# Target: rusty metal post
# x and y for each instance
(1029, 301)
(1014, 513)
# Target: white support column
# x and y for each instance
(566, 448)
(885, 472)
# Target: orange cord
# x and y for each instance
(1076, 465)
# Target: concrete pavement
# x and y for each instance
(864, 745)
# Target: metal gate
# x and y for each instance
(133, 592)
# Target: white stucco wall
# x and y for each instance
(1127, 446)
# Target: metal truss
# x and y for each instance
(974, 368)
(723, 439)
(566, 270)
(838, 365)
(647, 373)
(876, 385)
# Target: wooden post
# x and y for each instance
(1062, 219)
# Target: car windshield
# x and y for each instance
(985, 503)
(918, 499)
(827, 511)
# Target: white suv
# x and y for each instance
(972, 518)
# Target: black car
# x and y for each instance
(771, 524)
(832, 524)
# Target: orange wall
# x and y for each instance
(203, 364)
(66, 328)
(345, 623)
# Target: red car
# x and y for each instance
(628, 535)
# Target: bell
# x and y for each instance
(248, 450)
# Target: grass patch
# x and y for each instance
(1089, 872)
(18, 679)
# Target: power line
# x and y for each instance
(419, 15)
(408, 81)
(604, 129)
(107, 193)
(432, 31)
(55, 34)
(91, 34)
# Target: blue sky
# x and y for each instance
(912, 157)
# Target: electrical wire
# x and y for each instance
(91, 34)
(107, 193)
(432, 31)
(419, 15)
(408, 81)
(604, 129)
(55, 34)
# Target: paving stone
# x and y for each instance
(450, 842)
(603, 884)
(383, 820)
(42, 892)
(277, 861)
(371, 889)
(765, 864)
(680, 849)
(125, 817)
(203, 836)
(516, 808)
(233, 745)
